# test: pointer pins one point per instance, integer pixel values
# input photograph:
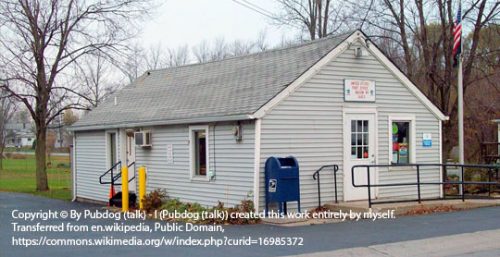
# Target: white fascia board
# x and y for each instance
(262, 111)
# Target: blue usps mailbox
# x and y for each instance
(282, 182)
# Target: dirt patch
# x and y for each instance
(430, 209)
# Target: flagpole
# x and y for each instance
(460, 96)
(460, 114)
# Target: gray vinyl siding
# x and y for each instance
(308, 124)
(90, 163)
(231, 160)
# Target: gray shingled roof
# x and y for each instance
(234, 87)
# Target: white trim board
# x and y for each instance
(256, 175)
(73, 162)
(441, 192)
(108, 147)
(192, 175)
(412, 140)
(346, 145)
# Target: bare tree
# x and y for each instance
(134, 62)
(178, 56)
(7, 110)
(218, 49)
(319, 18)
(201, 52)
(261, 43)
(94, 72)
(41, 40)
(239, 48)
(155, 57)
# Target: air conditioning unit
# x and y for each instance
(143, 138)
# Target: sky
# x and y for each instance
(181, 22)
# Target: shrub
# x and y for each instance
(246, 206)
(154, 200)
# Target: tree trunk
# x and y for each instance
(40, 150)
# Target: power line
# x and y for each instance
(254, 9)
(258, 7)
(262, 11)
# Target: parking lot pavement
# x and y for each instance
(317, 238)
(481, 243)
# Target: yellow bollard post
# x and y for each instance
(124, 188)
(142, 186)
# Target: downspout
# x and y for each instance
(73, 164)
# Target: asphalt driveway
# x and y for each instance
(317, 238)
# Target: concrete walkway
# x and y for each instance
(405, 208)
(365, 234)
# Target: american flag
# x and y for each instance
(457, 36)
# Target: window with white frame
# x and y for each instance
(402, 141)
(198, 140)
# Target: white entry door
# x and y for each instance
(359, 149)
(130, 155)
(130, 149)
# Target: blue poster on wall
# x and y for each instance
(427, 140)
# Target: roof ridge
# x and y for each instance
(302, 44)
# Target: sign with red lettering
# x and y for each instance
(359, 90)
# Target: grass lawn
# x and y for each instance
(18, 175)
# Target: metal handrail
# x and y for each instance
(317, 175)
(369, 185)
(119, 175)
(119, 163)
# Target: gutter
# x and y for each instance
(162, 122)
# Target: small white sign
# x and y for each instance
(359, 90)
(170, 154)
(427, 140)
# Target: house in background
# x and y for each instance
(19, 132)
(207, 129)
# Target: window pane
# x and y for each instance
(366, 154)
(359, 126)
(400, 142)
(353, 139)
(353, 152)
(353, 126)
(365, 126)
(360, 153)
(359, 139)
(365, 139)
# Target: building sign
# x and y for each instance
(170, 154)
(427, 140)
(359, 90)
